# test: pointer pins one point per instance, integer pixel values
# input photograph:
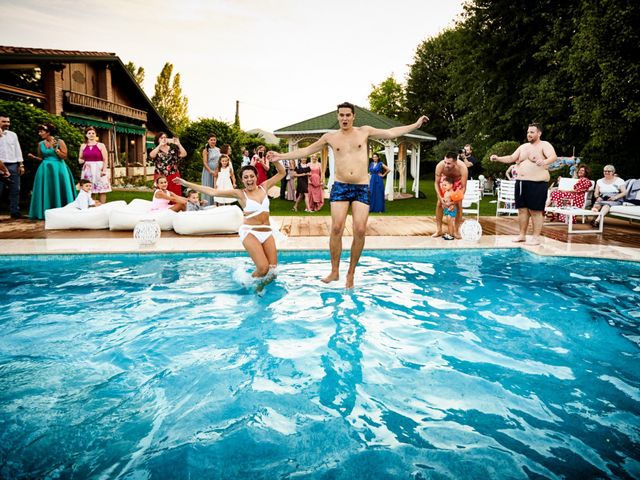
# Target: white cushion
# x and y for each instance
(627, 211)
(127, 217)
(225, 219)
(72, 218)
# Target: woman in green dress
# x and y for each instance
(53, 185)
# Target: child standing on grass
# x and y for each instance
(225, 179)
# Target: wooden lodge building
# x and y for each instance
(87, 88)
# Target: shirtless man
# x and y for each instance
(532, 184)
(350, 147)
(450, 166)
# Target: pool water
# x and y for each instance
(456, 364)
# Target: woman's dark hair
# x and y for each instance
(248, 167)
(587, 171)
(158, 136)
(48, 127)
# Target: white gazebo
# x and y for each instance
(395, 150)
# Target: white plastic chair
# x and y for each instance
(472, 196)
(506, 203)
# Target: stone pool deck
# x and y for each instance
(620, 240)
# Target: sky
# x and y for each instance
(284, 60)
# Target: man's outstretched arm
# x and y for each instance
(396, 132)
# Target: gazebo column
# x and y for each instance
(389, 146)
(415, 168)
(402, 167)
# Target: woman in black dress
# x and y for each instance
(303, 171)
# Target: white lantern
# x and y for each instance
(471, 231)
(146, 232)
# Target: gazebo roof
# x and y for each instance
(329, 122)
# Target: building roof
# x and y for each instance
(22, 53)
(17, 55)
(329, 121)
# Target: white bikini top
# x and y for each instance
(253, 208)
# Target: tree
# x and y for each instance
(430, 89)
(388, 99)
(138, 74)
(604, 65)
(169, 101)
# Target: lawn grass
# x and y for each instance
(408, 207)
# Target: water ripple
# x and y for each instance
(440, 364)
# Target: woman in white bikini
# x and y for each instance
(256, 234)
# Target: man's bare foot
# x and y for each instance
(437, 234)
(332, 277)
(349, 283)
(534, 241)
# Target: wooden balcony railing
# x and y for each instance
(95, 103)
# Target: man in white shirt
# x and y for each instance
(11, 157)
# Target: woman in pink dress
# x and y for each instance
(316, 186)
(94, 160)
(573, 198)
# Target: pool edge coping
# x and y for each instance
(71, 246)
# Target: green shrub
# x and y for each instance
(24, 122)
(497, 169)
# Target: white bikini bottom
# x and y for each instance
(261, 232)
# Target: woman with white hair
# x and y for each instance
(609, 191)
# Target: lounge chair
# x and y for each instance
(506, 202)
(472, 196)
(630, 209)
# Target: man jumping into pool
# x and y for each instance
(350, 147)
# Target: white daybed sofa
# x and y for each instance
(224, 219)
(127, 217)
(72, 218)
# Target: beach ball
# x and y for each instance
(471, 231)
(457, 195)
(146, 232)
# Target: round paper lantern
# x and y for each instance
(146, 232)
(457, 195)
(471, 231)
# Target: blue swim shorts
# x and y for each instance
(451, 213)
(349, 192)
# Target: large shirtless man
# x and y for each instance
(532, 184)
(456, 169)
(351, 186)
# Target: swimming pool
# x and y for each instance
(454, 364)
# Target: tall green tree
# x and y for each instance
(169, 100)
(137, 73)
(388, 99)
(604, 64)
(430, 86)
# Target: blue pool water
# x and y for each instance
(456, 364)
